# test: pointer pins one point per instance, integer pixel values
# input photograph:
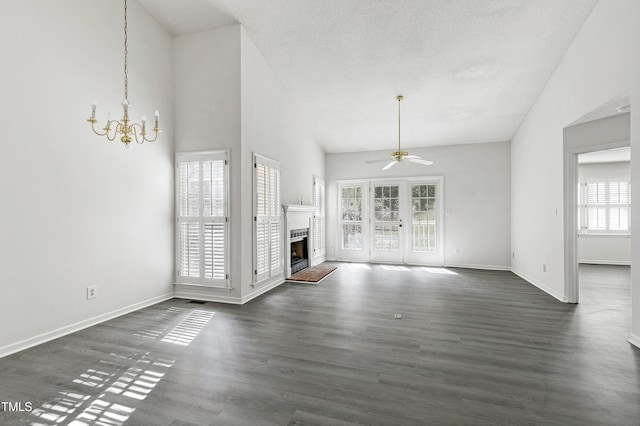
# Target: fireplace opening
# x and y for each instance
(299, 250)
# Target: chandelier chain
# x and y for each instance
(126, 52)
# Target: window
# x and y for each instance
(202, 219)
(268, 258)
(351, 217)
(423, 210)
(318, 217)
(604, 207)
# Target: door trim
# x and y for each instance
(367, 183)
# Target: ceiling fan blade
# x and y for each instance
(388, 166)
(406, 157)
(377, 161)
(419, 161)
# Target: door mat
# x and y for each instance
(313, 275)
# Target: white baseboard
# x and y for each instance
(606, 262)
(475, 266)
(540, 286)
(264, 287)
(81, 325)
(318, 260)
(634, 340)
(206, 296)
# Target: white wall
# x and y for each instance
(272, 127)
(635, 177)
(596, 68)
(79, 210)
(227, 97)
(604, 249)
(207, 104)
(476, 190)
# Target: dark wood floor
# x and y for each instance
(472, 347)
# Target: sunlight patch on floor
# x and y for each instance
(442, 271)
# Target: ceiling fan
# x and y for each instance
(399, 155)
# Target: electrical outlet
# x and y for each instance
(513, 254)
(92, 292)
(544, 267)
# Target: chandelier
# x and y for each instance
(127, 130)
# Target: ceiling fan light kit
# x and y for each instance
(400, 155)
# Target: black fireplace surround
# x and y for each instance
(299, 250)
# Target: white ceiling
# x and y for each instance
(469, 69)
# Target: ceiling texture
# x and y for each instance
(469, 70)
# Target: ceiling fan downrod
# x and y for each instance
(399, 153)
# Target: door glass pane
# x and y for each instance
(423, 229)
(351, 206)
(386, 215)
(352, 236)
(386, 238)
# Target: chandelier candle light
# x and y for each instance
(125, 127)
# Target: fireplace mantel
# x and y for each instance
(298, 208)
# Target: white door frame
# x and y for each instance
(363, 255)
(571, 149)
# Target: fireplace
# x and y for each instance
(299, 249)
(298, 238)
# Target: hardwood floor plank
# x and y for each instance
(472, 348)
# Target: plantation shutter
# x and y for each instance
(604, 207)
(201, 182)
(268, 258)
(318, 218)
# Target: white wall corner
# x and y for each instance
(634, 340)
(263, 287)
(541, 286)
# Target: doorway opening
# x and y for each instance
(592, 212)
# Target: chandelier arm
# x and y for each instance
(116, 129)
(93, 127)
(156, 131)
(142, 136)
(134, 131)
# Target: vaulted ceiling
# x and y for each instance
(469, 70)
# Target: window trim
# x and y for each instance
(182, 157)
(583, 207)
(319, 216)
(271, 271)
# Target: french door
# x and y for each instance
(400, 221)
(387, 211)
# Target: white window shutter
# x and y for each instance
(201, 210)
(605, 207)
(268, 259)
(318, 217)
